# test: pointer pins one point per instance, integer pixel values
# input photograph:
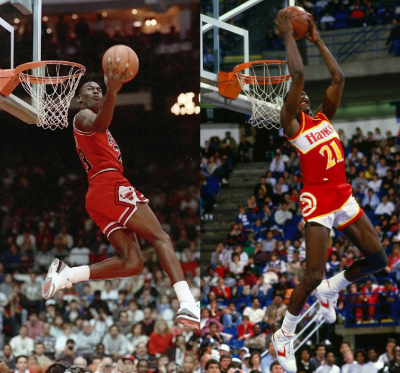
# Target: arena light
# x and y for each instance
(134, 11)
(137, 24)
(45, 19)
(49, 30)
(74, 16)
(153, 22)
(104, 14)
(185, 105)
(148, 23)
(16, 20)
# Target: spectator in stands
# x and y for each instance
(327, 21)
(319, 358)
(115, 343)
(385, 207)
(34, 325)
(255, 313)
(224, 362)
(79, 255)
(160, 339)
(361, 358)
(389, 353)
(257, 341)
(48, 340)
(283, 215)
(68, 353)
(41, 357)
(21, 365)
(275, 266)
(268, 358)
(87, 339)
(141, 352)
(245, 150)
(329, 366)
(214, 333)
(277, 166)
(212, 366)
(8, 356)
(221, 291)
(370, 200)
(374, 364)
(375, 183)
(394, 38)
(303, 361)
(22, 344)
(245, 329)
(230, 316)
(276, 310)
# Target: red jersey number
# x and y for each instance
(84, 160)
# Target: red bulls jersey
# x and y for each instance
(320, 150)
(98, 152)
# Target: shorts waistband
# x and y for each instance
(102, 171)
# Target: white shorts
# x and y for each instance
(348, 214)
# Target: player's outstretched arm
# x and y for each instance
(89, 121)
(296, 69)
(333, 94)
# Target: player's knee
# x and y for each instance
(376, 262)
(159, 238)
(313, 279)
(134, 266)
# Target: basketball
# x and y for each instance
(299, 20)
(126, 56)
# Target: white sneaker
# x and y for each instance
(284, 351)
(327, 301)
(58, 277)
(189, 314)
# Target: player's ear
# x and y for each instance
(79, 99)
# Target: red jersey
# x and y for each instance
(98, 152)
(320, 150)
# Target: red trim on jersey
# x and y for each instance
(302, 122)
(352, 220)
(320, 112)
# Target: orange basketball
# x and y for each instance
(300, 22)
(126, 55)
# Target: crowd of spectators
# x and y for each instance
(328, 15)
(253, 271)
(85, 42)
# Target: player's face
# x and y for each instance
(305, 103)
(90, 96)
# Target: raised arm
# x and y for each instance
(98, 118)
(334, 92)
(295, 63)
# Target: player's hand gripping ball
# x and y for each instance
(125, 55)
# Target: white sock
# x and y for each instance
(78, 274)
(183, 292)
(338, 282)
(289, 323)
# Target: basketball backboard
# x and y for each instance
(16, 17)
(213, 56)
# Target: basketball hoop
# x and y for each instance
(265, 86)
(51, 84)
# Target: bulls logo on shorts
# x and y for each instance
(308, 203)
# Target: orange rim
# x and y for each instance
(250, 79)
(48, 79)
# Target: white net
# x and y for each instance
(265, 84)
(52, 87)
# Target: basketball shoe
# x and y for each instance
(189, 314)
(58, 277)
(283, 344)
(327, 301)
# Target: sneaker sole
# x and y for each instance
(49, 288)
(188, 321)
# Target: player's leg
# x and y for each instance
(147, 226)
(130, 263)
(362, 234)
(124, 241)
(316, 237)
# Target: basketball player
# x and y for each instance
(115, 205)
(326, 199)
